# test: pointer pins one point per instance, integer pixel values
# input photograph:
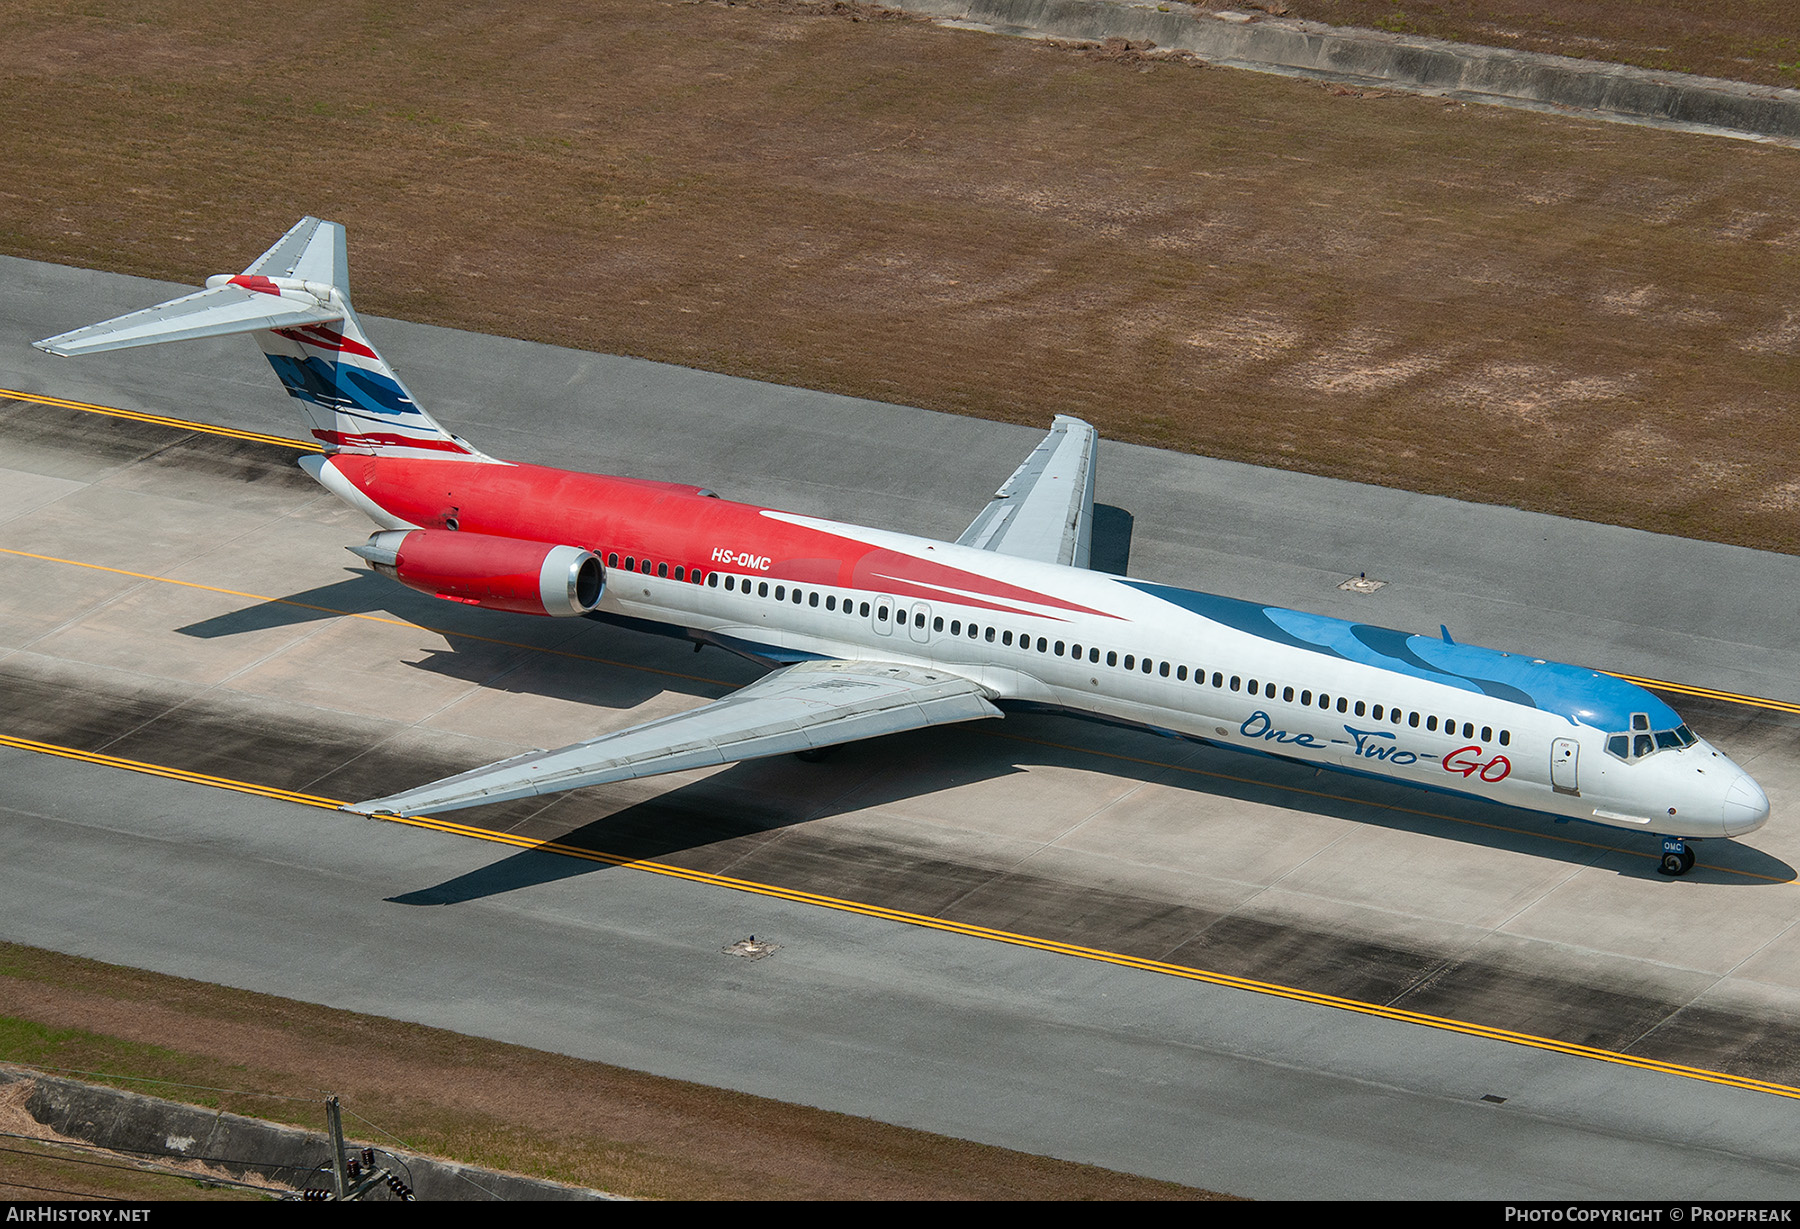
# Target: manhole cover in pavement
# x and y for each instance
(752, 948)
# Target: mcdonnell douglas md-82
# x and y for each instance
(871, 632)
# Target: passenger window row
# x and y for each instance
(1006, 638)
(634, 564)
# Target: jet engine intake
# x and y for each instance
(479, 569)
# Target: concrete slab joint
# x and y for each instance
(1405, 62)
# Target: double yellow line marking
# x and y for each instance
(1707, 693)
(831, 902)
(179, 423)
(945, 925)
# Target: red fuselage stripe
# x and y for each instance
(667, 524)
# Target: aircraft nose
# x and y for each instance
(1746, 807)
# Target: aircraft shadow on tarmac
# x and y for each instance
(362, 592)
(1110, 547)
(734, 821)
(507, 642)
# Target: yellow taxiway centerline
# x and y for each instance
(1144, 964)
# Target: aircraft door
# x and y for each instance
(1564, 753)
(921, 622)
(883, 615)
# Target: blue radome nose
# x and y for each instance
(1746, 807)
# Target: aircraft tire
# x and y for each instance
(1676, 863)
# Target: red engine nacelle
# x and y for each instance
(496, 573)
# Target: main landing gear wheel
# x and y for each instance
(1674, 863)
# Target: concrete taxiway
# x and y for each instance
(133, 623)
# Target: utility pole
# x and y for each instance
(353, 1177)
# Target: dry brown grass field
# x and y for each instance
(1587, 319)
(1750, 40)
(480, 1102)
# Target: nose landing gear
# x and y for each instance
(1677, 858)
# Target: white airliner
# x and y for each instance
(872, 632)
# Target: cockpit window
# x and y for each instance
(1643, 741)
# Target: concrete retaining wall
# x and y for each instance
(1372, 57)
(169, 1131)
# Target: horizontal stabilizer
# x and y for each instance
(799, 708)
(303, 279)
(206, 313)
(1045, 511)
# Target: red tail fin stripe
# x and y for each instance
(343, 440)
(327, 339)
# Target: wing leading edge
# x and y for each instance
(1045, 511)
(798, 708)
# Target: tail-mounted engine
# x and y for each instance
(482, 570)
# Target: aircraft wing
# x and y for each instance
(1045, 511)
(797, 708)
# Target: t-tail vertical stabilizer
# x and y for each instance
(295, 300)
